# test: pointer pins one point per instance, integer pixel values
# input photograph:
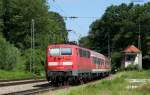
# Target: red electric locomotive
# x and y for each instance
(66, 62)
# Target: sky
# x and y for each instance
(88, 10)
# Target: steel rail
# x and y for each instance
(7, 80)
(36, 91)
(10, 83)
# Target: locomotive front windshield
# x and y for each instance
(60, 51)
(54, 52)
(66, 51)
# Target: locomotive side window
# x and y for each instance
(54, 52)
(84, 53)
(88, 54)
(102, 62)
(94, 59)
(80, 52)
(98, 60)
(66, 51)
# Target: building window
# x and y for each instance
(130, 57)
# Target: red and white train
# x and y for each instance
(65, 62)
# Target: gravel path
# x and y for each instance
(22, 87)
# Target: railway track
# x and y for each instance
(36, 91)
(30, 92)
(6, 80)
(26, 87)
(18, 82)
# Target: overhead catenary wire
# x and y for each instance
(59, 7)
(80, 17)
(66, 17)
(137, 1)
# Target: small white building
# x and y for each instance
(132, 55)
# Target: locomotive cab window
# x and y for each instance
(54, 52)
(66, 51)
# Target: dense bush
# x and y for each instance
(9, 55)
(37, 66)
(132, 67)
(146, 62)
(116, 58)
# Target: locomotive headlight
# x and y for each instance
(52, 63)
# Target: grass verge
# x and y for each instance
(145, 74)
(8, 75)
(117, 86)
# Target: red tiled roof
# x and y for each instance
(131, 49)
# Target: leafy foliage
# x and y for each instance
(17, 22)
(37, 66)
(9, 55)
(132, 67)
(146, 62)
(116, 59)
(120, 25)
(15, 26)
(1, 14)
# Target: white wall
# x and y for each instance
(137, 61)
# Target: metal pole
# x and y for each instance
(52, 37)
(139, 38)
(33, 22)
(31, 49)
(108, 45)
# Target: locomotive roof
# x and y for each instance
(93, 53)
(66, 45)
(53, 45)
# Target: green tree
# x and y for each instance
(120, 25)
(15, 25)
(1, 14)
(37, 65)
(9, 55)
(17, 22)
(56, 31)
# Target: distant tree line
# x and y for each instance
(15, 32)
(121, 25)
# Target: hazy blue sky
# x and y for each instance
(83, 8)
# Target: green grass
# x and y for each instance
(6, 75)
(136, 74)
(145, 88)
(116, 86)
